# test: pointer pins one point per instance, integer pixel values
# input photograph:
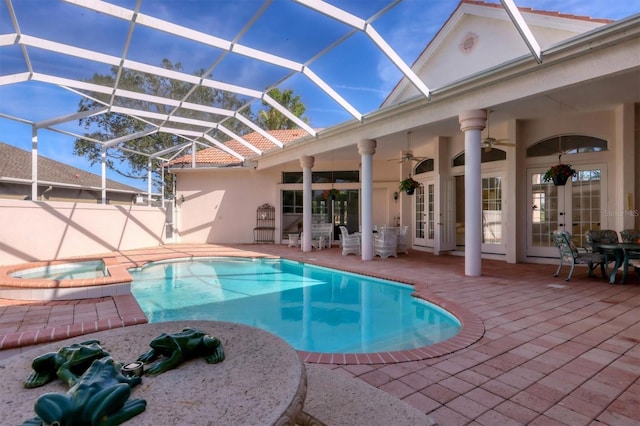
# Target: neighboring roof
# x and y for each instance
(16, 165)
(215, 156)
(531, 10)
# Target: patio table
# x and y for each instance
(623, 253)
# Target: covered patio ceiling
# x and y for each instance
(267, 44)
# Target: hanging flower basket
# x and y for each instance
(559, 174)
(408, 185)
(330, 194)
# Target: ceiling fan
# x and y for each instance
(488, 143)
(407, 155)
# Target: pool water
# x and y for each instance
(65, 271)
(314, 309)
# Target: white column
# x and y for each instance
(366, 149)
(306, 162)
(103, 174)
(472, 123)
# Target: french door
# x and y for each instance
(433, 214)
(575, 207)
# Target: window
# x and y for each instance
(349, 176)
(566, 144)
(493, 154)
(425, 166)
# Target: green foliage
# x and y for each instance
(271, 119)
(105, 127)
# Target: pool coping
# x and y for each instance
(130, 313)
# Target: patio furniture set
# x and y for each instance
(387, 241)
(603, 247)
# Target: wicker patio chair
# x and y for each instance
(350, 242)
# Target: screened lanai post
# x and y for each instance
(34, 163)
(472, 123)
(366, 149)
(149, 182)
(103, 173)
(306, 162)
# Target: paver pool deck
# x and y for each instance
(548, 352)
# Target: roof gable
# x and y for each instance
(479, 36)
(16, 164)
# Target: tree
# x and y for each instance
(108, 126)
(271, 119)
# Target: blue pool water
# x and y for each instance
(314, 309)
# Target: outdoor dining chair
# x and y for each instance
(350, 242)
(569, 253)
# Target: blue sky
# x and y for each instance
(356, 69)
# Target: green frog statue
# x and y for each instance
(68, 363)
(173, 349)
(99, 397)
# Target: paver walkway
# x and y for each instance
(553, 352)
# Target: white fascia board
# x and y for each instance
(224, 147)
(238, 138)
(130, 137)
(397, 61)
(268, 99)
(14, 78)
(69, 117)
(258, 129)
(523, 29)
(335, 13)
(334, 95)
(69, 50)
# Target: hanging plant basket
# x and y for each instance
(330, 194)
(560, 180)
(408, 185)
(559, 174)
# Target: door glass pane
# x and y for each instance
(419, 197)
(431, 214)
(492, 210)
(585, 202)
(544, 211)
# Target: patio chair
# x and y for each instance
(350, 242)
(569, 253)
(595, 237)
(403, 240)
(630, 235)
(385, 242)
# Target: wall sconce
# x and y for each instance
(180, 199)
(395, 196)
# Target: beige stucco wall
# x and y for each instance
(220, 206)
(51, 230)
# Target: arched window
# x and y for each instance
(425, 166)
(494, 154)
(566, 144)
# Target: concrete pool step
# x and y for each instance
(336, 399)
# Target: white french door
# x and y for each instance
(433, 214)
(575, 207)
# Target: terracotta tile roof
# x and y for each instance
(215, 155)
(16, 164)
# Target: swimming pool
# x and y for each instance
(314, 309)
(65, 271)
